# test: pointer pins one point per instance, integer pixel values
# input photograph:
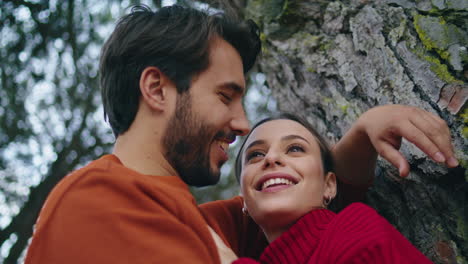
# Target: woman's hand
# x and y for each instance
(380, 131)
(226, 254)
(387, 125)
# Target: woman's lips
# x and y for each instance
(276, 188)
(275, 181)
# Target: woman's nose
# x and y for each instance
(272, 159)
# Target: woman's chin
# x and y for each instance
(278, 216)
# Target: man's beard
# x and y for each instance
(187, 142)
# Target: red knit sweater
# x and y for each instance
(358, 234)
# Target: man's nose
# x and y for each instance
(240, 123)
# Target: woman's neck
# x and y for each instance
(273, 233)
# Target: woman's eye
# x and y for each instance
(295, 148)
(252, 155)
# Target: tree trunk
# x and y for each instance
(332, 61)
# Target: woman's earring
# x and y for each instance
(245, 212)
(326, 201)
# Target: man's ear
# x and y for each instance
(330, 185)
(154, 86)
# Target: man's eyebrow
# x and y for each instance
(234, 86)
(256, 142)
(289, 137)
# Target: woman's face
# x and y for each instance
(282, 175)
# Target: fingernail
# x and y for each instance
(402, 172)
(452, 162)
(439, 157)
(403, 175)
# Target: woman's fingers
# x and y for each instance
(392, 155)
(451, 161)
(435, 130)
(387, 125)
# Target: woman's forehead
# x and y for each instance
(275, 129)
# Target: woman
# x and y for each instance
(287, 181)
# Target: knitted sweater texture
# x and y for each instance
(358, 234)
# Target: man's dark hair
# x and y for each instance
(174, 39)
(325, 151)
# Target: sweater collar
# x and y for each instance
(299, 242)
(169, 182)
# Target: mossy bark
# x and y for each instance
(333, 60)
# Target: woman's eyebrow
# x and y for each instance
(289, 137)
(256, 142)
(285, 138)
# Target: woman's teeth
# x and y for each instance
(276, 181)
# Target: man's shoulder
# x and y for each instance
(87, 177)
(102, 166)
(107, 180)
(105, 203)
(106, 185)
(99, 170)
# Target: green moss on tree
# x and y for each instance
(427, 41)
(441, 70)
(265, 10)
(344, 109)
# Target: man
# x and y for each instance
(172, 87)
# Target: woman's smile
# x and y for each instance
(274, 182)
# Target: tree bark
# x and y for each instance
(332, 61)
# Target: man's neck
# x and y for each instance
(136, 152)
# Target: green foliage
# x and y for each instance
(50, 118)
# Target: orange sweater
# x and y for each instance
(107, 213)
